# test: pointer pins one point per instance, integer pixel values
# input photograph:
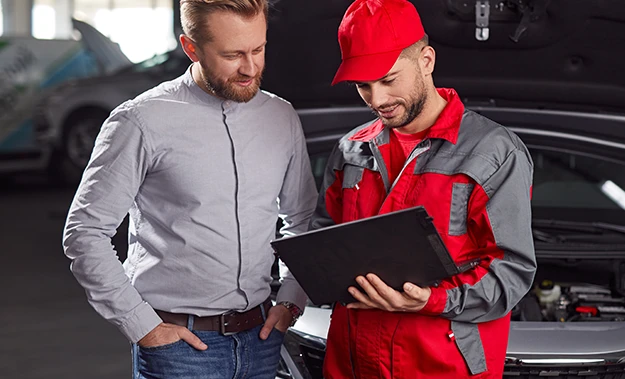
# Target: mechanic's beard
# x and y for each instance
(412, 111)
(227, 89)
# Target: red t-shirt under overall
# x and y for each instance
(401, 146)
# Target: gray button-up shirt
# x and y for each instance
(204, 181)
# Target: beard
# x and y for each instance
(413, 105)
(229, 90)
(412, 109)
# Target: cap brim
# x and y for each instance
(366, 68)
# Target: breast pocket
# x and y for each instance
(352, 176)
(460, 194)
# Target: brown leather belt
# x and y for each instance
(227, 323)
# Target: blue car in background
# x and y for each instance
(29, 68)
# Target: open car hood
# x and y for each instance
(553, 54)
(107, 53)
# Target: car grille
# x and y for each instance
(602, 371)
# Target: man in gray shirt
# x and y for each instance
(204, 164)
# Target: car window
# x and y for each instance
(561, 179)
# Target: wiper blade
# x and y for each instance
(574, 226)
(560, 231)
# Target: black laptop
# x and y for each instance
(399, 247)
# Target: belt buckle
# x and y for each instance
(223, 324)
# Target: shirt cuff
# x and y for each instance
(142, 321)
(292, 292)
(436, 303)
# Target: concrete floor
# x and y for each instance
(47, 328)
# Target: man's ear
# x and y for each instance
(189, 48)
(427, 60)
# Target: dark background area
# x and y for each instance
(47, 328)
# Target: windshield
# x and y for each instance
(564, 179)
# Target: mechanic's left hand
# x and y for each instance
(381, 296)
(279, 317)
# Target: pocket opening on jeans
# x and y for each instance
(160, 347)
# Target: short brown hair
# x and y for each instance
(193, 14)
(412, 51)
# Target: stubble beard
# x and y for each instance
(412, 110)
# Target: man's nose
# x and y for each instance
(248, 66)
(379, 97)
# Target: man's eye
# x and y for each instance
(232, 56)
(389, 81)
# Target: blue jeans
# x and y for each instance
(237, 356)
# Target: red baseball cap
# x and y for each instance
(372, 35)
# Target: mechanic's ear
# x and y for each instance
(188, 46)
(427, 59)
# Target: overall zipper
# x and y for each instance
(421, 148)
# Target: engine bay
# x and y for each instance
(570, 302)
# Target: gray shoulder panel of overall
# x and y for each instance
(355, 153)
(482, 147)
(345, 152)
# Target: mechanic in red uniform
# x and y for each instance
(471, 174)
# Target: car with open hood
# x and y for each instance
(549, 70)
(30, 68)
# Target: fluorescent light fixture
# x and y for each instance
(614, 192)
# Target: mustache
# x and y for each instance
(245, 78)
(385, 107)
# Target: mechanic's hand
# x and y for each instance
(165, 334)
(380, 296)
(279, 317)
